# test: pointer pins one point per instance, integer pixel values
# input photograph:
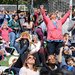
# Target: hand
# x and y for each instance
(0, 37)
(70, 7)
(72, 48)
(41, 6)
(21, 37)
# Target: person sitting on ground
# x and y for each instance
(35, 46)
(52, 67)
(69, 68)
(67, 40)
(65, 52)
(4, 31)
(3, 47)
(22, 43)
(14, 24)
(29, 66)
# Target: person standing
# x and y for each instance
(54, 30)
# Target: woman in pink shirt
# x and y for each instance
(54, 30)
(4, 31)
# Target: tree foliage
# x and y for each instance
(7, 1)
(21, 1)
(13, 1)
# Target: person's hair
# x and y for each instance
(33, 35)
(3, 24)
(65, 34)
(25, 63)
(25, 33)
(27, 18)
(50, 55)
(50, 15)
(13, 16)
(68, 58)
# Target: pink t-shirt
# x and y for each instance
(5, 33)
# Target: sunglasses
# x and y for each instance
(31, 58)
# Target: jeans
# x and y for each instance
(12, 38)
(17, 34)
(19, 49)
(54, 47)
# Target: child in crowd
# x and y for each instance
(2, 47)
(4, 32)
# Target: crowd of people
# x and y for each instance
(41, 47)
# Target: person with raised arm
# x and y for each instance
(54, 30)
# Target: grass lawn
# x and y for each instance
(4, 62)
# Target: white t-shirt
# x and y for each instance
(26, 71)
(35, 47)
(43, 26)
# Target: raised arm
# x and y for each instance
(64, 18)
(60, 55)
(45, 18)
(71, 25)
(10, 30)
(17, 40)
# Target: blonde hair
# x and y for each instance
(25, 33)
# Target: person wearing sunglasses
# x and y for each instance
(29, 67)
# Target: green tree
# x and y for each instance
(13, 1)
(7, 1)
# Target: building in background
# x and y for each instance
(9, 7)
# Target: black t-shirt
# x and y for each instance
(51, 70)
(24, 42)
